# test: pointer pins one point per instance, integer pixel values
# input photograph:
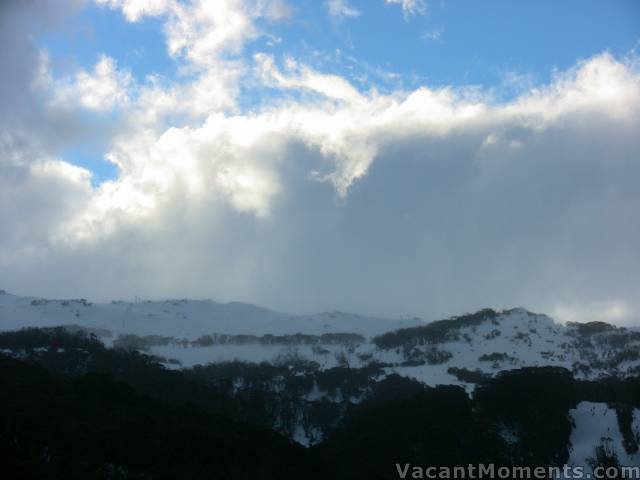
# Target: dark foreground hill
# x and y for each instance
(71, 408)
(95, 427)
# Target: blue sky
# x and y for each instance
(476, 42)
(387, 157)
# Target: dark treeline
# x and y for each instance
(136, 342)
(96, 427)
(434, 332)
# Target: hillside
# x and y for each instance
(344, 378)
(181, 318)
(461, 350)
(72, 405)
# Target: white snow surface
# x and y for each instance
(520, 337)
(596, 424)
(187, 319)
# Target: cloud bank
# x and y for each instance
(428, 202)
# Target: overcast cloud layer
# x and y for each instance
(429, 202)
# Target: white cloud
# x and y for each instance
(410, 7)
(455, 180)
(134, 10)
(103, 89)
(202, 31)
(339, 9)
(38, 196)
(303, 77)
(612, 311)
(206, 35)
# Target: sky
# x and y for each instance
(386, 157)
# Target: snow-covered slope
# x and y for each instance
(462, 350)
(455, 351)
(187, 319)
(596, 426)
(514, 339)
(501, 341)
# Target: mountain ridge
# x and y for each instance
(459, 350)
(164, 317)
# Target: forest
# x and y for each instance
(72, 408)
